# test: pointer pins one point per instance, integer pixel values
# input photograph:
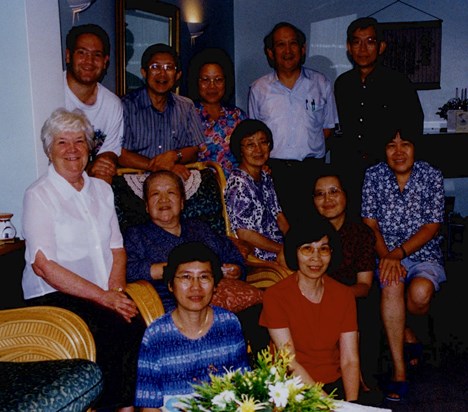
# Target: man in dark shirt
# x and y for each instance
(370, 99)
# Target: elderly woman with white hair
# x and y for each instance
(74, 253)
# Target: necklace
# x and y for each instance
(182, 329)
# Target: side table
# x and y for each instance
(11, 272)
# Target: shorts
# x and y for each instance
(432, 271)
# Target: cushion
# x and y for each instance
(55, 385)
(236, 295)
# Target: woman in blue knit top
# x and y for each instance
(183, 347)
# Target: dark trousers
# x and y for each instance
(294, 180)
(255, 335)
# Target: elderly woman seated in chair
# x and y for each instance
(148, 246)
(254, 212)
(194, 340)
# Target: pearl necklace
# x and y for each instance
(182, 329)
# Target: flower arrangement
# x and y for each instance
(453, 104)
(268, 387)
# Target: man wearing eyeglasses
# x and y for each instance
(87, 59)
(298, 105)
(370, 98)
(162, 130)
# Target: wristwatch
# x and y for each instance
(179, 156)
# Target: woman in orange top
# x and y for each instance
(313, 315)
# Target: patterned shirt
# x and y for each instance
(358, 248)
(401, 214)
(149, 132)
(169, 362)
(254, 206)
(296, 116)
(218, 134)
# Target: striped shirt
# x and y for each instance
(149, 132)
(169, 362)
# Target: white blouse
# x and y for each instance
(76, 229)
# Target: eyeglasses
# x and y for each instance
(332, 192)
(187, 280)
(250, 147)
(89, 53)
(206, 81)
(158, 68)
(369, 43)
(309, 250)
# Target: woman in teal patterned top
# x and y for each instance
(185, 346)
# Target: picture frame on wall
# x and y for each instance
(414, 48)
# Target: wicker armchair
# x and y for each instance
(147, 300)
(260, 273)
(47, 360)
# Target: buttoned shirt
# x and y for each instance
(149, 132)
(76, 229)
(295, 116)
(370, 111)
(400, 214)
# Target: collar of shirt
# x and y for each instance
(145, 101)
(275, 78)
(64, 187)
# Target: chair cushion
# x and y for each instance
(236, 295)
(55, 385)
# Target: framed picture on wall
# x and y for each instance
(414, 48)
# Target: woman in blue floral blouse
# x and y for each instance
(211, 83)
(252, 205)
(403, 203)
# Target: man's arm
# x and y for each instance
(104, 166)
(130, 159)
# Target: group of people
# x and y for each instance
(371, 218)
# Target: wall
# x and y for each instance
(31, 88)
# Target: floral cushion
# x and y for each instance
(57, 385)
(236, 295)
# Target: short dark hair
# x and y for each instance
(154, 175)
(329, 170)
(159, 48)
(411, 134)
(312, 230)
(191, 252)
(210, 56)
(363, 23)
(268, 39)
(247, 128)
(77, 31)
